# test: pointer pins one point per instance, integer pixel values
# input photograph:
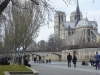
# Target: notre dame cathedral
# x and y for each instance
(77, 30)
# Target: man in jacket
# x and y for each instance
(69, 58)
(97, 58)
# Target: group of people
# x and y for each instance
(48, 61)
(69, 59)
(38, 59)
(95, 62)
(74, 60)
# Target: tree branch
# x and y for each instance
(3, 5)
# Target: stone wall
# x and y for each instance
(53, 57)
(82, 54)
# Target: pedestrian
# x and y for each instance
(49, 61)
(26, 62)
(35, 59)
(39, 59)
(97, 58)
(69, 58)
(46, 61)
(25, 56)
(19, 59)
(74, 61)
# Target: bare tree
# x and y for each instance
(23, 26)
(32, 47)
(55, 42)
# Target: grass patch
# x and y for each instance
(13, 68)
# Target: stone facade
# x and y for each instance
(77, 30)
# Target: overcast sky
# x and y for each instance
(86, 6)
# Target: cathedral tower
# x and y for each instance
(59, 18)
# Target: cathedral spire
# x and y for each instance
(77, 17)
(77, 7)
(77, 3)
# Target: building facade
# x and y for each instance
(77, 30)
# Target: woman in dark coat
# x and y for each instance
(26, 62)
(74, 61)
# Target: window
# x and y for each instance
(59, 19)
(88, 32)
(62, 18)
(68, 33)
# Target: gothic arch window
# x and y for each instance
(62, 18)
(88, 32)
(59, 19)
(93, 37)
(84, 31)
(68, 33)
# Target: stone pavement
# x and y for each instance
(62, 69)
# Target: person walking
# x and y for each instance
(74, 61)
(97, 58)
(39, 59)
(19, 60)
(34, 59)
(69, 58)
(49, 61)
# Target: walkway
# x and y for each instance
(62, 69)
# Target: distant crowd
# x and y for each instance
(39, 60)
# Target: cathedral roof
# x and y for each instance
(84, 23)
(69, 24)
